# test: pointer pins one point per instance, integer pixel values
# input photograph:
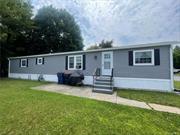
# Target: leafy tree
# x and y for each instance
(15, 18)
(56, 31)
(15, 21)
(106, 44)
(103, 44)
(93, 47)
(176, 57)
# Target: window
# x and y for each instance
(78, 62)
(23, 62)
(107, 65)
(71, 62)
(75, 62)
(39, 61)
(107, 56)
(143, 57)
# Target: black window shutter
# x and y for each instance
(43, 60)
(66, 63)
(130, 58)
(156, 57)
(27, 63)
(36, 61)
(19, 62)
(84, 62)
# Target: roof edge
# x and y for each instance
(99, 50)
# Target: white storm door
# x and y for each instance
(107, 63)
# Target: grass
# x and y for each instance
(177, 84)
(163, 98)
(177, 74)
(26, 111)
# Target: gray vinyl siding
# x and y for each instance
(54, 64)
(122, 68)
(92, 63)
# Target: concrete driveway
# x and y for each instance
(87, 93)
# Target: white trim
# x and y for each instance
(88, 80)
(23, 60)
(163, 85)
(143, 64)
(102, 61)
(171, 67)
(106, 49)
(50, 78)
(120, 82)
(75, 56)
(39, 58)
(143, 83)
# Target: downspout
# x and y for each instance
(171, 68)
(9, 66)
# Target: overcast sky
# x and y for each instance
(123, 21)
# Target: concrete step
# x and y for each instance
(102, 80)
(99, 90)
(102, 83)
(103, 87)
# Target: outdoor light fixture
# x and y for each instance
(95, 57)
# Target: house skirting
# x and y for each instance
(119, 82)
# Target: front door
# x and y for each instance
(107, 63)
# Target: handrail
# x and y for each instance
(95, 75)
(112, 71)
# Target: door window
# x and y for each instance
(107, 56)
(107, 65)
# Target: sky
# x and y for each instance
(123, 21)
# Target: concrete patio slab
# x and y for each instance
(87, 93)
(64, 89)
(77, 91)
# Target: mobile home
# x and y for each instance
(143, 66)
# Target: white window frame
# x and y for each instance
(74, 56)
(40, 58)
(143, 64)
(22, 62)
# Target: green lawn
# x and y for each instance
(178, 74)
(177, 84)
(151, 96)
(25, 111)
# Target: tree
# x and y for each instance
(56, 31)
(176, 57)
(103, 44)
(93, 47)
(15, 18)
(15, 21)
